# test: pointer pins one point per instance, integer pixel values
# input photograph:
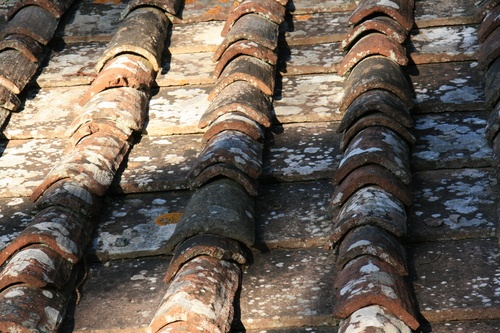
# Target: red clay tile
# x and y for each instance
(399, 10)
(485, 7)
(55, 7)
(201, 294)
(376, 119)
(370, 206)
(9, 100)
(376, 100)
(231, 147)
(182, 326)
(368, 280)
(493, 124)
(371, 44)
(245, 47)
(492, 84)
(125, 106)
(371, 174)
(37, 266)
(250, 27)
(271, 10)
(377, 145)
(69, 193)
(382, 24)
(29, 47)
(205, 245)
(25, 309)
(373, 319)
(16, 70)
(490, 23)
(143, 33)
(34, 22)
(60, 229)
(237, 122)
(489, 50)
(125, 70)
(376, 72)
(249, 69)
(103, 126)
(168, 6)
(92, 163)
(371, 240)
(221, 207)
(225, 170)
(240, 97)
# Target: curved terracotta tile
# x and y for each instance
(143, 32)
(240, 97)
(249, 69)
(16, 70)
(493, 124)
(250, 27)
(34, 22)
(168, 6)
(28, 46)
(271, 10)
(373, 44)
(374, 241)
(237, 122)
(56, 7)
(492, 84)
(490, 23)
(375, 319)
(370, 205)
(375, 119)
(489, 50)
(382, 24)
(225, 170)
(376, 72)
(9, 100)
(399, 10)
(485, 7)
(376, 100)
(375, 175)
(245, 47)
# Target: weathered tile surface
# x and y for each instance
(451, 140)
(453, 204)
(431, 13)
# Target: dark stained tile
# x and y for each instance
(17, 70)
(490, 23)
(8, 102)
(235, 121)
(225, 170)
(399, 10)
(26, 45)
(493, 124)
(171, 7)
(491, 87)
(32, 21)
(56, 8)
(489, 50)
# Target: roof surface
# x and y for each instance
(451, 241)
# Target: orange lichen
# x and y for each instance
(302, 17)
(113, 2)
(169, 218)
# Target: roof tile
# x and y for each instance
(55, 7)
(8, 100)
(493, 124)
(492, 84)
(382, 24)
(373, 319)
(227, 170)
(485, 7)
(169, 6)
(34, 22)
(16, 70)
(399, 10)
(235, 121)
(29, 47)
(490, 50)
(490, 22)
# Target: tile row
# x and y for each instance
(373, 178)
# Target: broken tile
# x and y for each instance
(373, 318)
(212, 308)
(205, 245)
(168, 6)
(370, 206)
(271, 10)
(367, 280)
(245, 47)
(126, 70)
(37, 266)
(374, 175)
(8, 101)
(26, 45)
(451, 140)
(143, 32)
(249, 69)
(27, 309)
(492, 87)
(127, 107)
(250, 27)
(223, 208)
(34, 22)
(55, 7)
(453, 204)
(373, 44)
(70, 194)
(376, 145)
(489, 50)
(237, 122)
(382, 24)
(399, 10)
(226, 170)
(240, 97)
(490, 23)
(376, 119)
(17, 70)
(62, 230)
(370, 240)
(231, 147)
(376, 72)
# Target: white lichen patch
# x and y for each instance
(447, 40)
(373, 316)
